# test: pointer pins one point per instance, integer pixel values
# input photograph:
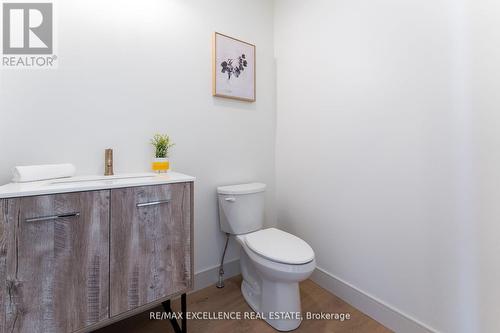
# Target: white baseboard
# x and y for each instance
(370, 305)
(366, 303)
(210, 276)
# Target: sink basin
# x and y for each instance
(91, 183)
(94, 179)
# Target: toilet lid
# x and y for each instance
(280, 246)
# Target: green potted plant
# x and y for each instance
(162, 145)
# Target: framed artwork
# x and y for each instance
(233, 68)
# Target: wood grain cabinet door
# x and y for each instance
(150, 244)
(54, 262)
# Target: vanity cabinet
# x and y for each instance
(74, 262)
(54, 262)
(150, 244)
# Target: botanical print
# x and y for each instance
(234, 68)
(227, 66)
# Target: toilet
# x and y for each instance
(272, 261)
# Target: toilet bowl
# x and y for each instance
(272, 261)
(271, 287)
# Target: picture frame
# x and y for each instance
(233, 68)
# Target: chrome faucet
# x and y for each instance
(108, 162)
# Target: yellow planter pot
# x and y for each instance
(160, 165)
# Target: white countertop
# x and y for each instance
(90, 183)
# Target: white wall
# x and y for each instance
(485, 80)
(133, 68)
(375, 150)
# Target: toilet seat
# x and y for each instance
(279, 246)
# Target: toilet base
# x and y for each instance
(281, 320)
(278, 303)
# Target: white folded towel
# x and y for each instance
(32, 173)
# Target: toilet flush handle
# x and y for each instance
(231, 199)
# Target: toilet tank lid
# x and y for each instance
(242, 189)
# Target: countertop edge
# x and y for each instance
(39, 189)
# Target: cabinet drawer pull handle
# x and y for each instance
(152, 203)
(53, 217)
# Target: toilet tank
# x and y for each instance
(241, 208)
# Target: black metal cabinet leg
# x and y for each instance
(175, 325)
(184, 313)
